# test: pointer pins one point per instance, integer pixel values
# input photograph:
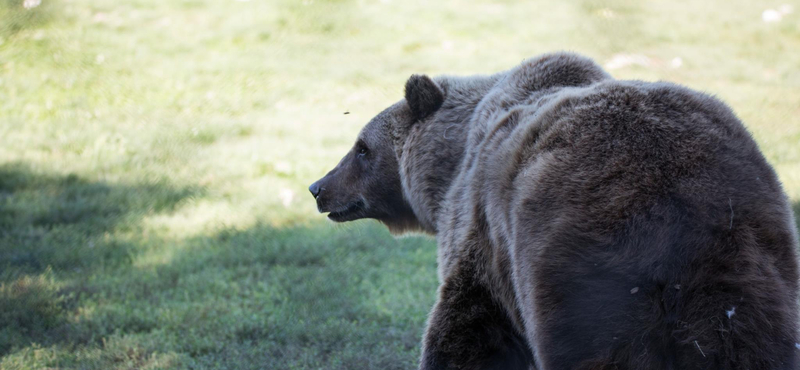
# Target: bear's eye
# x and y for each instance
(363, 151)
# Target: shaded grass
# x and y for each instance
(29, 306)
(302, 307)
(250, 299)
(60, 226)
(39, 211)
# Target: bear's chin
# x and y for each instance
(353, 211)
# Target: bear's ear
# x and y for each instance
(423, 96)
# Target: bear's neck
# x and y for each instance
(439, 147)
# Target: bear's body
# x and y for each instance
(588, 223)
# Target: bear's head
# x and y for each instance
(405, 159)
(367, 181)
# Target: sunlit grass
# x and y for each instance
(154, 157)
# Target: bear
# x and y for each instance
(582, 222)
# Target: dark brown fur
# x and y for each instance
(583, 222)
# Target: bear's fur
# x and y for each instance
(582, 222)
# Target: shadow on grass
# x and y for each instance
(301, 297)
(311, 296)
(65, 222)
(63, 225)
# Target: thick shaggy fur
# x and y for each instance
(584, 222)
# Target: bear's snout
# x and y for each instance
(315, 189)
(321, 194)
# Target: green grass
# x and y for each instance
(154, 157)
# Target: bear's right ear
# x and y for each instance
(423, 96)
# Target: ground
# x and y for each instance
(154, 157)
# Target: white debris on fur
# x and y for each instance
(635, 290)
(698, 347)
(797, 345)
(730, 204)
(731, 312)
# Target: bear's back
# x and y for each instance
(614, 147)
(623, 186)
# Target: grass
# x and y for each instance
(154, 157)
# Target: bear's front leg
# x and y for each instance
(467, 329)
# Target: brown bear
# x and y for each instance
(582, 222)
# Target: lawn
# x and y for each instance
(154, 157)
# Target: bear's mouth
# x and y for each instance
(347, 213)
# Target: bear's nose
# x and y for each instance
(314, 189)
